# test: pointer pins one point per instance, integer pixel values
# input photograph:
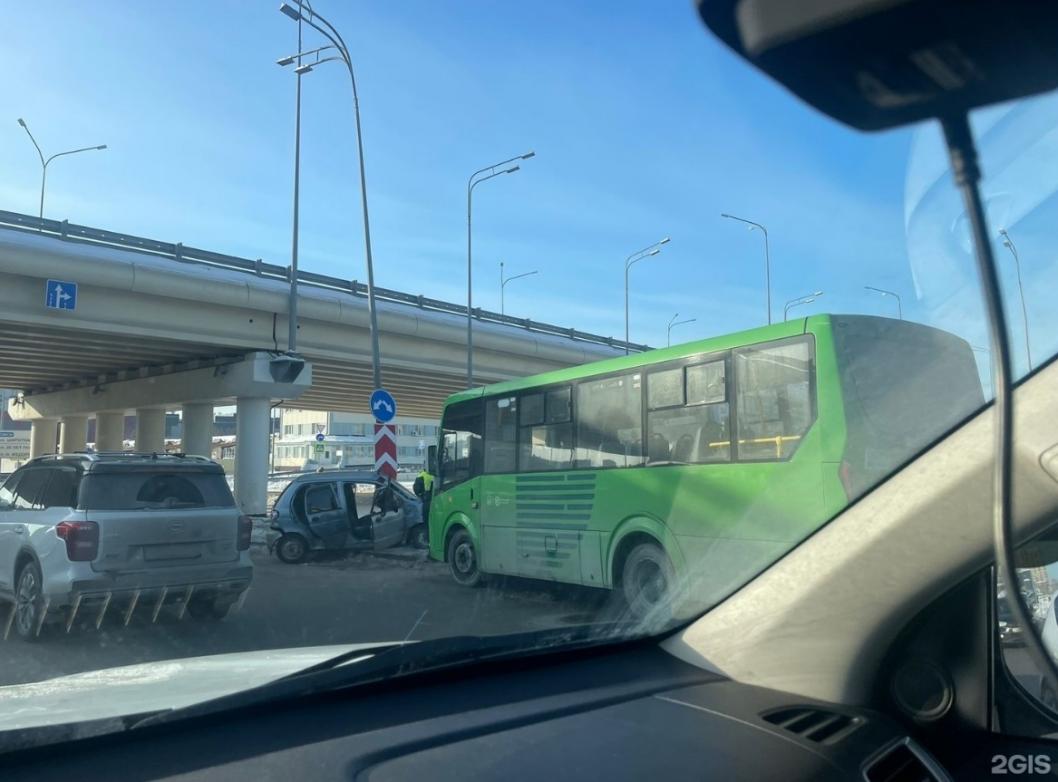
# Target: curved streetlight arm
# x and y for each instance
(518, 277)
(477, 182)
(471, 180)
(74, 152)
(673, 324)
(750, 223)
(1009, 244)
(767, 254)
(25, 127)
(630, 261)
(290, 59)
(639, 255)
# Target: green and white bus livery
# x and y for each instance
(695, 465)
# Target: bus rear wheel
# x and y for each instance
(463, 559)
(646, 579)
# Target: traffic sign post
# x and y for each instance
(384, 408)
(386, 450)
(60, 295)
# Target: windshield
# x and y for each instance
(624, 328)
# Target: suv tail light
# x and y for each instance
(245, 531)
(82, 539)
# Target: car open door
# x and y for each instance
(326, 516)
(387, 518)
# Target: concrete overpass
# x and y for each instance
(163, 326)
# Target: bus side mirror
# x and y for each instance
(431, 460)
(876, 64)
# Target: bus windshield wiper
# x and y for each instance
(364, 665)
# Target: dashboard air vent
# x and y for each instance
(904, 762)
(815, 724)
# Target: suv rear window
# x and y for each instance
(152, 490)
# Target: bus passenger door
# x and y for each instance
(457, 496)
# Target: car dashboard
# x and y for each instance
(631, 713)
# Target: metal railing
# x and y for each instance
(181, 253)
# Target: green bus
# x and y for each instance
(693, 466)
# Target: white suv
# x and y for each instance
(99, 532)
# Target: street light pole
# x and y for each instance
(631, 260)
(292, 306)
(505, 280)
(767, 255)
(807, 299)
(45, 161)
(883, 292)
(672, 324)
(304, 12)
(475, 180)
(1009, 244)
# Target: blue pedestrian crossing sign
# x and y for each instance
(383, 405)
(59, 295)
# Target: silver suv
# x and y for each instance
(99, 532)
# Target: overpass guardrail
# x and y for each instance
(181, 253)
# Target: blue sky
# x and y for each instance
(643, 126)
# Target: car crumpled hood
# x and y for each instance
(145, 687)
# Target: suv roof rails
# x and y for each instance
(121, 455)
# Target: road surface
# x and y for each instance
(359, 598)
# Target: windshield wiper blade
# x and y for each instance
(386, 661)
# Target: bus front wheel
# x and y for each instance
(646, 579)
(463, 559)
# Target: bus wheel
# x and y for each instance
(463, 559)
(646, 579)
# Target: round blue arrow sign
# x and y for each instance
(383, 405)
(319, 437)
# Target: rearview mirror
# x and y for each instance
(876, 64)
(431, 460)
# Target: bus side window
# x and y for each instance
(501, 434)
(609, 428)
(461, 455)
(774, 399)
(688, 414)
(546, 441)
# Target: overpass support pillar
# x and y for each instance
(197, 420)
(42, 435)
(110, 431)
(150, 430)
(72, 436)
(251, 453)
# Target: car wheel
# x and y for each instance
(209, 609)
(292, 548)
(646, 579)
(463, 559)
(418, 536)
(29, 601)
